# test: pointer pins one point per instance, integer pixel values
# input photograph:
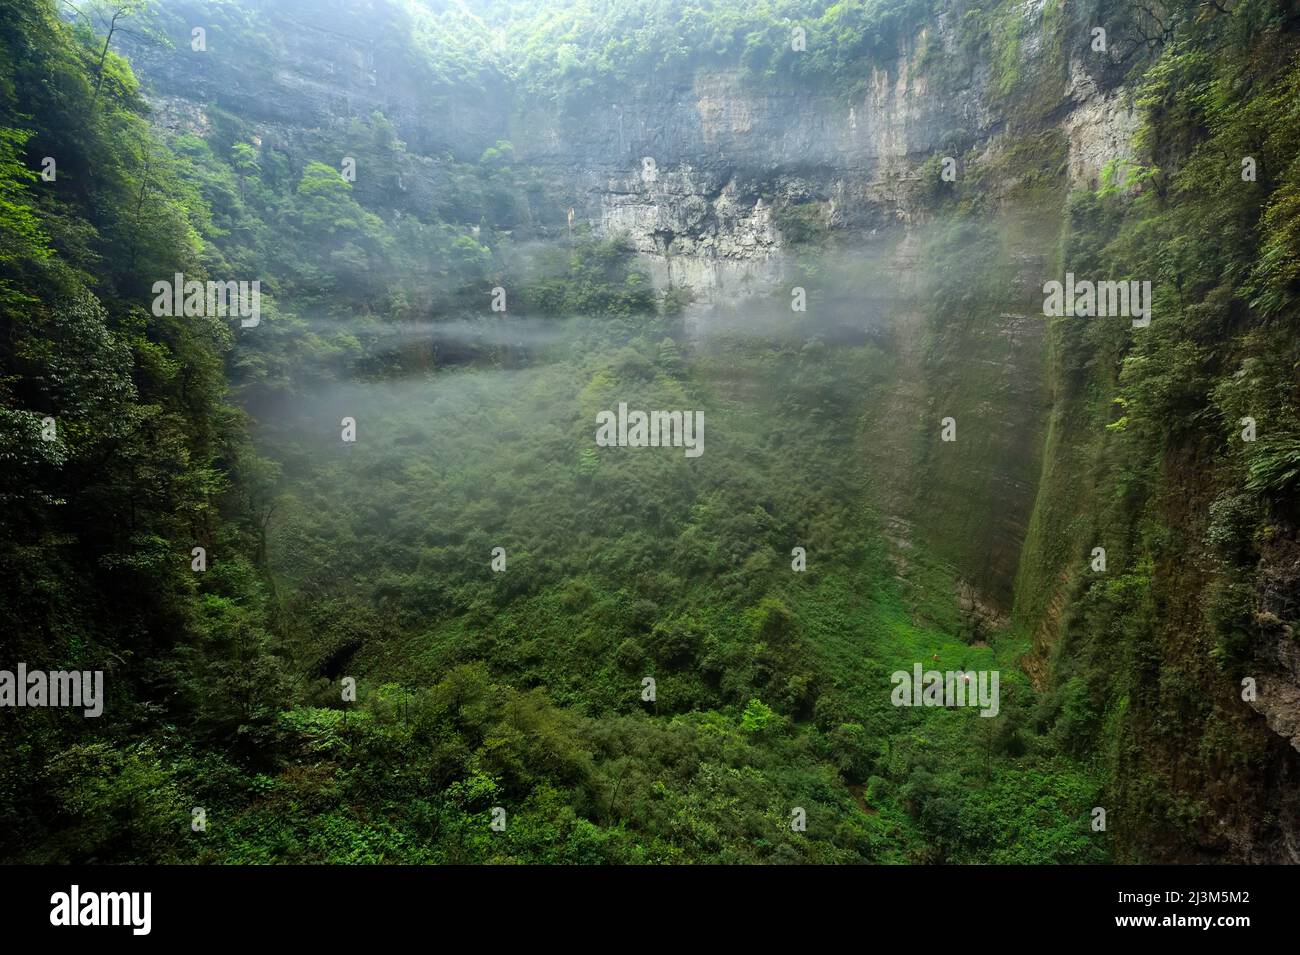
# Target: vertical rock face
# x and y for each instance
(1277, 599)
(695, 232)
(723, 147)
(1099, 127)
(320, 62)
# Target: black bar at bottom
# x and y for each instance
(338, 904)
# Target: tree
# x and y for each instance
(109, 17)
(22, 237)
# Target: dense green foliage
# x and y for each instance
(568, 51)
(522, 689)
(1189, 511)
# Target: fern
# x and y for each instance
(1275, 467)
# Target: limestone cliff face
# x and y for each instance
(688, 169)
(316, 63)
(1099, 126)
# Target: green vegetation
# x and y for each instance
(331, 561)
(570, 51)
(1148, 433)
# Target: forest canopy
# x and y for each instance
(360, 580)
